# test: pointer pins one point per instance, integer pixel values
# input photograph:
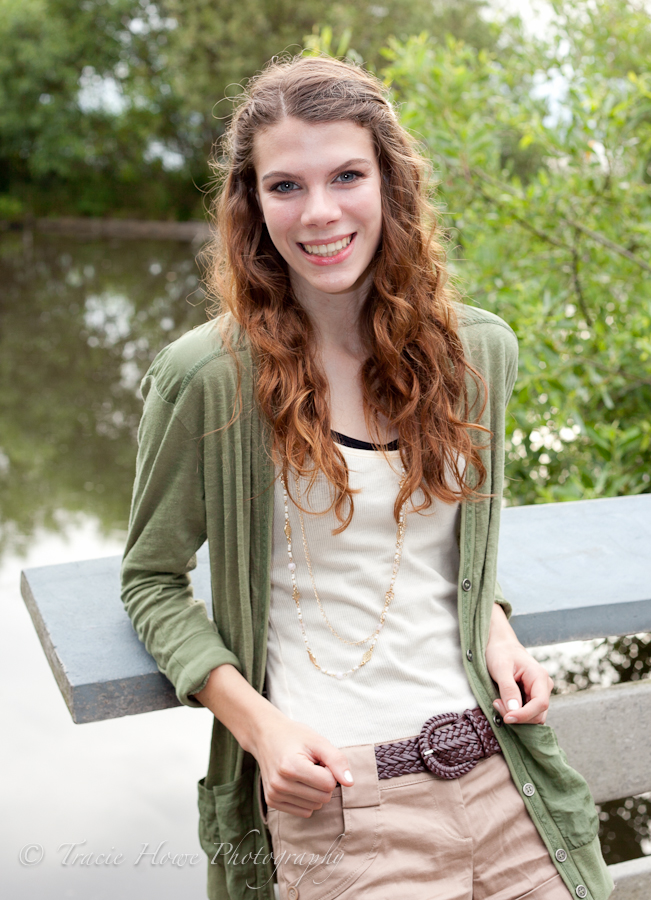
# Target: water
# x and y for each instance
(79, 323)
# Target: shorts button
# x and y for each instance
(292, 893)
(466, 584)
(528, 789)
(581, 891)
(561, 855)
(469, 655)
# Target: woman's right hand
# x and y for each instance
(299, 767)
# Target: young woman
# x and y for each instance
(337, 437)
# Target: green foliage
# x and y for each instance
(322, 41)
(216, 46)
(80, 105)
(113, 106)
(10, 207)
(543, 170)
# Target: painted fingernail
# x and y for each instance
(347, 775)
(510, 720)
(512, 704)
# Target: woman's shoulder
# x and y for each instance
(483, 331)
(473, 317)
(198, 354)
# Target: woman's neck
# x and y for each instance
(341, 352)
(335, 317)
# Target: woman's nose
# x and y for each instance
(321, 208)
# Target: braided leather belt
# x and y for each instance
(449, 745)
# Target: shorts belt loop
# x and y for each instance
(366, 789)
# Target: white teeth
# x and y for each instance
(327, 249)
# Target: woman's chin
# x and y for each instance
(331, 281)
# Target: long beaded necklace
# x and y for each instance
(388, 597)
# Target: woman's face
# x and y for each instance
(319, 188)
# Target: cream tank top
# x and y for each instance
(416, 670)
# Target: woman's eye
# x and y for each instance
(284, 187)
(348, 177)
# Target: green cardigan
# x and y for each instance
(199, 480)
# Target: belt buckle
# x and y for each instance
(453, 755)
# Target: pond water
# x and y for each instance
(80, 322)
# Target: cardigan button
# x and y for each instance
(561, 855)
(581, 891)
(292, 893)
(466, 584)
(498, 720)
(528, 789)
(469, 655)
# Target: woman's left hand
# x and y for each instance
(517, 674)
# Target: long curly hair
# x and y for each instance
(415, 371)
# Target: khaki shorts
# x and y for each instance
(418, 837)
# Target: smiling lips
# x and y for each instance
(327, 251)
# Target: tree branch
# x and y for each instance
(606, 242)
(542, 235)
(576, 282)
(593, 235)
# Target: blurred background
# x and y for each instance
(537, 119)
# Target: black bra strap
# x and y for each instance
(360, 445)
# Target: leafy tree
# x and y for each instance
(555, 238)
(112, 106)
(216, 46)
(81, 104)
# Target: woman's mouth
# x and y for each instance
(328, 253)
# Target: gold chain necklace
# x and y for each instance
(388, 597)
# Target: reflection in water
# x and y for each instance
(80, 322)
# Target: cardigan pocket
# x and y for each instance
(208, 828)
(563, 790)
(229, 836)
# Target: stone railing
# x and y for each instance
(573, 571)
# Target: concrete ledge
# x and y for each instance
(125, 229)
(575, 571)
(605, 734)
(632, 879)
(100, 666)
(571, 570)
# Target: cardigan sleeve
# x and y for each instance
(511, 375)
(167, 526)
(501, 599)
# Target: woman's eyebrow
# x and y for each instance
(287, 175)
(359, 161)
(349, 162)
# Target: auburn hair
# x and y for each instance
(415, 371)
